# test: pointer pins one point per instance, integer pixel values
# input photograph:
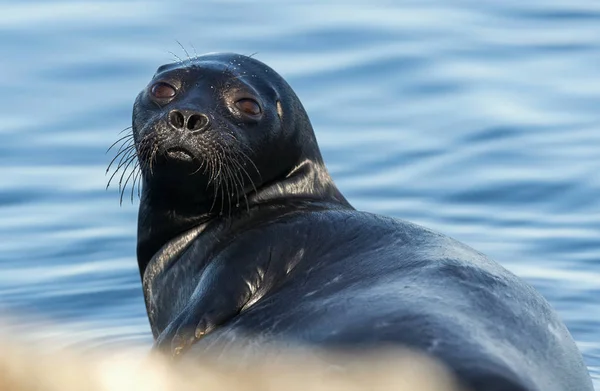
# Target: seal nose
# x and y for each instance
(188, 120)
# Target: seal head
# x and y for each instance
(216, 135)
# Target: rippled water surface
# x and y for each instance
(478, 119)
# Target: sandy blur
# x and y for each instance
(29, 366)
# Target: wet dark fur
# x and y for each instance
(244, 234)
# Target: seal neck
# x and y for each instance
(309, 180)
(307, 185)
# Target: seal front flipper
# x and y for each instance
(199, 317)
(222, 292)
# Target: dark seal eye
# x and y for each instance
(162, 90)
(248, 106)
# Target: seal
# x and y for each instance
(242, 231)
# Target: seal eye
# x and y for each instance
(248, 106)
(162, 90)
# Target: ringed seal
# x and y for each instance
(242, 231)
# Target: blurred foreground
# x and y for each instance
(39, 367)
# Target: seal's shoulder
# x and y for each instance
(356, 237)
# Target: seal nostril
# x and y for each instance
(176, 119)
(197, 122)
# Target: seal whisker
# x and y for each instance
(127, 144)
(230, 171)
(127, 153)
(229, 187)
(145, 146)
(221, 180)
(122, 189)
(199, 168)
(239, 183)
(248, 159)
(127, 128)
(152, 158)
(214, 173)
(245, 156)
(176, 56)
(214, 198)
(237, 168)
(129, 157)
(229, 179)
(122, 154)
(136, 171)
(184, 50)
(131, 160)
(194, 49)
(116, 142)
(209, 168)
(233, 175)
(139, 181)
(147, 139)
(236, 186)
(220, 164)
(217, 178)
(245, 172)
(234, 153)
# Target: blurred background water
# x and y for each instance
(479, 119)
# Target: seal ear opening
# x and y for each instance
(279, 109)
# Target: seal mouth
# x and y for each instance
(179, 153)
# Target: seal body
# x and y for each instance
(243, 233)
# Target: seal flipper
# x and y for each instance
(223, 291)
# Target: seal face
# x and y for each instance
(241, 231)
(200, 128)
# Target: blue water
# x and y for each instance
(479, 119)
